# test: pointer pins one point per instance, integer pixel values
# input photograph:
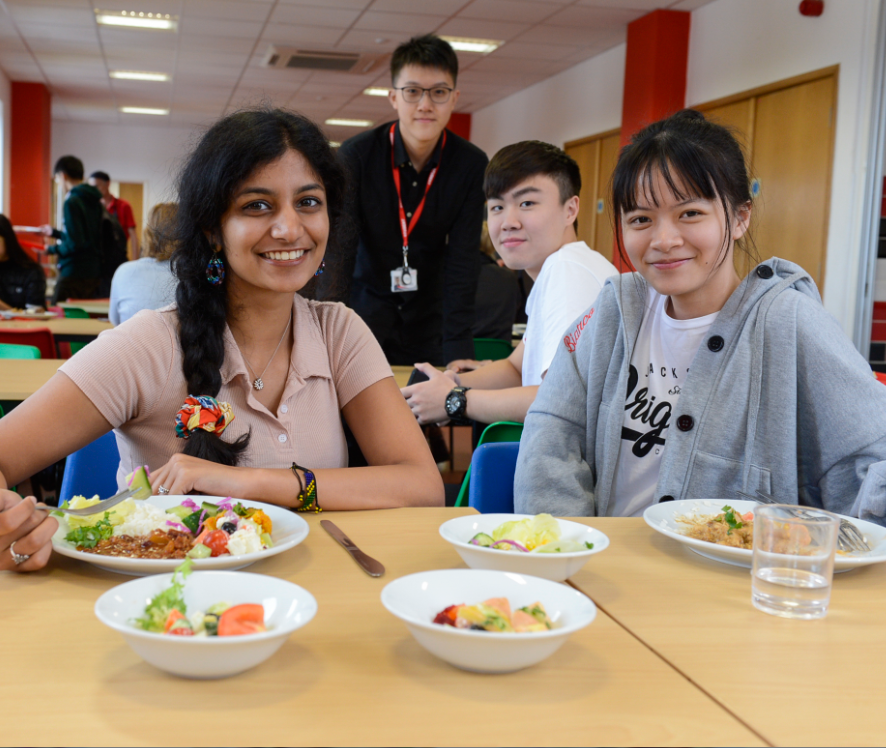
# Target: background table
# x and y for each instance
(65, 330)
(354, 675)
(794, 682)
(101, 308)
(19, 379)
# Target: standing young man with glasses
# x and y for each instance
(418, 200)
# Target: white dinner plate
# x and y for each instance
(662, 518)
(288, 531)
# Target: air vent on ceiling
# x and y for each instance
(312, 59)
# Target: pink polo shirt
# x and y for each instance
(133, 375)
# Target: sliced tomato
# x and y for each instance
(217, 542)
(248, 618)
(176, 615)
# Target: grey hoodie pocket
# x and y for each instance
(715, 477)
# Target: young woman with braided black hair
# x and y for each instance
(240, 388)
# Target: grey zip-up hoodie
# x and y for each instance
(777, 398)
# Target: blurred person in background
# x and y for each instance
(498, 294)
(148, 282)
(79, 248)
(117, 207)
(22, 281)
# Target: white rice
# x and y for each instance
(145, 519)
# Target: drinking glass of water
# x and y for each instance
(793, 560)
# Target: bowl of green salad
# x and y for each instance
(206, 624)
(540, 545)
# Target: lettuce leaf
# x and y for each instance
(157, 611)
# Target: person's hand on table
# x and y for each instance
(25, 533)
(184, 474)
(461, 365)
(427, 400)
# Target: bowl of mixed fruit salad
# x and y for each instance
(540, 545)
(487, 621)
(205, 624)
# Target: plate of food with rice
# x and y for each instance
(723, 530)
(154, 535)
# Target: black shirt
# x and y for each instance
(433, 323)
(22, 285)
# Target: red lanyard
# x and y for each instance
(404, 229)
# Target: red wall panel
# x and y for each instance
(30, 166)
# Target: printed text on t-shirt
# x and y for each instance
(571, 339)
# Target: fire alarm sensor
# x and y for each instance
(811, 7)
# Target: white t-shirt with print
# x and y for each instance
(569, 282)
(658, 369)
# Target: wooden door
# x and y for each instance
(587, 155)
(604, 236)
(793, 135)
(133, 193)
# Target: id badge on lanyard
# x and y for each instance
(405, 278)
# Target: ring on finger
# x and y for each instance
(17, 558)
(162, 490)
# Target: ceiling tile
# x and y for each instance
(518, 11)
(306, 15)
(293, 35)
(49, 30)
(519, 49)
(173, 7)
(127, 39)
(63, 16)
(392, 24)
(544, 34)
(483, 29)
(355, 4)
(593, 18)
(645, 6)
(371, 42)
(219, 27)
(235, 10)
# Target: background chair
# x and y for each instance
(92, 470)
(39, 337)
(73, 312)
(491, 349)
(12, 350)
(501, 431)
(492, 485)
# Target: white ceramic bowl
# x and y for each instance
(416, 599)
(287, 607)
(554, 566)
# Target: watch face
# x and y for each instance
(451, 404)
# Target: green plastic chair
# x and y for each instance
(501, 431)
(11, 350)
(491, 349)
(75, 312)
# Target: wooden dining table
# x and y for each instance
(93, 308)
(65, 329)
(353, 675)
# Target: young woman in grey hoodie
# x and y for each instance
(683, 380)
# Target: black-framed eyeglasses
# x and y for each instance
(413, 94)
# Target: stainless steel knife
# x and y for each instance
(368, 564)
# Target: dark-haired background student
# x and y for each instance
(117, 207)
(79, 251)
(22, 281)
(425, 314)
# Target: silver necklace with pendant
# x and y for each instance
(258, 383)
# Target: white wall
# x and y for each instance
(734, 46)
(128, 153)
(6, 99)
(578, 102)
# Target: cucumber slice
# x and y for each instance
(482, 539)
(180, 511)
(200, 551)
(210, 508)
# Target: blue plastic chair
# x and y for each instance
(492, 477)
(92, 470)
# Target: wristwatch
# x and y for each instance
(457, 403)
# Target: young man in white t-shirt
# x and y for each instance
(532, 193)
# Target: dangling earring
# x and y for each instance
(320, 269)
(215, 268)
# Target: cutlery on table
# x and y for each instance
(849, 537)
(367, 563)
(102, 506)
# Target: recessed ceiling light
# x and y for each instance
(142, 110)
(134, 19)
(376, 91)
(464, 44)
(132, 75)
(349, 122)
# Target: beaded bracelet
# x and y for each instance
(308, 493)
